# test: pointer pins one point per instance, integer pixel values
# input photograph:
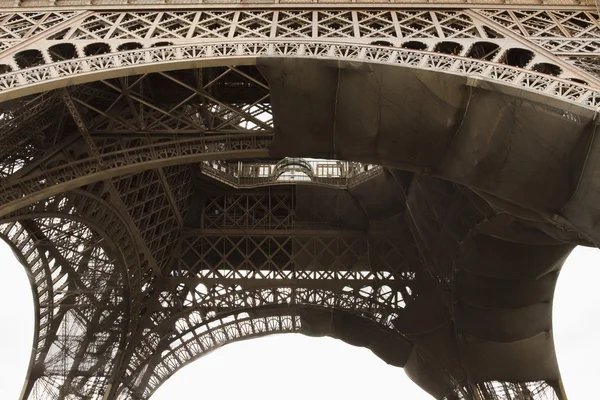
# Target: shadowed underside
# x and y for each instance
(176, 188)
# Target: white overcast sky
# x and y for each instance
(295, 367)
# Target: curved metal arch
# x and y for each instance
(54, 315)
(230, 52)
(70, 176)
(286, 164)
(96, 215)
(35, 292)
(194, 341)
(187, 319)
(237, 299)
(371, 304)
(92, 210)
(233, 331)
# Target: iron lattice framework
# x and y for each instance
(407, 178)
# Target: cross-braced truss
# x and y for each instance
(542, 41)
(171, 185)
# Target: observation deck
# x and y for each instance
(330, 173)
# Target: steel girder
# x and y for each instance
(117, 128)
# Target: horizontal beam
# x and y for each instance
(112, 5)
(274, 232)
(332, 284)
(181, 133)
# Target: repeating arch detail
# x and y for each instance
(46, 77)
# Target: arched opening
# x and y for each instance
(517, 57)
(200, 328)
(48, 267)
(293, 169)
(162, 44)
(414, 45)
(291, 367)
(5, 68)
(382, 43)
(577, 80)
(483, 51)
(547, 68)
(448, 48)
(63, 51)
(129, 46)
(29, 58)
(576, 321)
(95, 49)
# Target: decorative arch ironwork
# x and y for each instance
(190, 328)
(130, 62)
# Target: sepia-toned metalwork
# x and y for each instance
(404, 177)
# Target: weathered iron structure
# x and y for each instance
(406, 177)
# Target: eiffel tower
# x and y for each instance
(403, 176)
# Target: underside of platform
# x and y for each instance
(170, 197)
